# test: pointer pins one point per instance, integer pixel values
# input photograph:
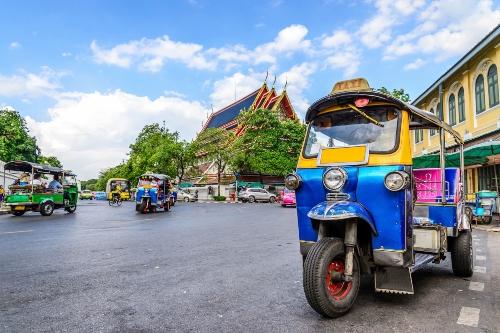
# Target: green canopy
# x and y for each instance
(185, 185)
(256, 185)
(477, 154)
(242, 184)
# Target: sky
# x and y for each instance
(89, 75)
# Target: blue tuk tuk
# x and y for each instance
(153, 192)
(363, 208)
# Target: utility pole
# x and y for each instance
(163, 148)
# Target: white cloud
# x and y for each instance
(66, 54)
(415, 65)
(339, 38)
(259, 25)
(151, 54)
(26, 101)
(298, 78)
(237, 84)
(174, 93)
(348, 59)
(447, 28)
(27, 84)
(15, 45)
(98, 128)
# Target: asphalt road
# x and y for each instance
(208, 267)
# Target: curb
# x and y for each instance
(488, 229)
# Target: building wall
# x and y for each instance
(476, 128)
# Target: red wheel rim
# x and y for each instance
(145, 208)
(338, 290)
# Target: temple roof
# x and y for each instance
(230, 112)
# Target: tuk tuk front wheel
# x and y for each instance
(461, 254)
(47, 208)
(71, 209)
(144, 207)
(323, 272)
(18, 212)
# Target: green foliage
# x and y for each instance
(398, 93)
(15, 142)
(86, 183)
(215, 144)
(91, 187)
(219, 198)
(268, 145)
(155, 149)
(50, 160)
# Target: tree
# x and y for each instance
(268, 145)
(398, 93)
(184, 157)
(50, 160)
(15, 141)
(87, 183)
(215, 144)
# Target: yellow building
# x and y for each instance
(466, 97)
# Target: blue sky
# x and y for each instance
(88, 75)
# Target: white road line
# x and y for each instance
(479, 269)
(477, 286)
(479, 250)
(476, 243)
(468, 317)
(474, 236)
(480, 257)
(14, 232)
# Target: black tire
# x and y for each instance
(469, 213)
(71, 209)
(251, 198)
(461, 254)
(172, 202)
(144, 207)
(152, 209)
(487, 219)
(283, 205)
(167, 206)
(272, 199)
(111, 202)
(18, 212)
(334, 299)
(47, 208)
(186, 199)
(119, 202)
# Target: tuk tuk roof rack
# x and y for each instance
(24, 166)
(420, 119)
(156, 175)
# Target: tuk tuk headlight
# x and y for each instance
(335, 178)
(293, 181)
(397, 180)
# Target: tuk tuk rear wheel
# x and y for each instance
(47, 208)
(462, 255)
(71, 209)
(144, 207)
(329, 298)
(487, 219)
(18, 212)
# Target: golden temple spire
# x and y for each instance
(286, 82)
(274, 80)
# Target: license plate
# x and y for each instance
(19, 208)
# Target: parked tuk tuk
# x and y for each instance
(363, 209)
(153, 191)
(32, 195)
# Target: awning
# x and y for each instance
(185, 185)
(242, 184)
(256, 185)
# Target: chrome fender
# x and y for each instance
(341, 210)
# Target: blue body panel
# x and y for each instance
(384, 208)
(141, 194)
(444, 215)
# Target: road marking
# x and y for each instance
(125, 222)
(474, 236)
(468, 317)
(14, 232)
(479, 269)
(480, 257)
(476, 243)
(477, 286)
(479, 250)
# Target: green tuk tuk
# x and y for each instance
(30, 194)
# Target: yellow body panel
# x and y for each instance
(343, 155)
(401, 156)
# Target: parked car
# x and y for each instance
(288, 198)
(86, 194)
(100, 195)
(256, 194)
(184, 196)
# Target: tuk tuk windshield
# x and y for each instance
(350, 128)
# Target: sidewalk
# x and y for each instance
(494, 226)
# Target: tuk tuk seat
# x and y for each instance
(428, 185)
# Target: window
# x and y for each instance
(439, 112)
(480, 104)
(452, 111)
(419, 136)
(461, 105)
(493, 86)
(433, 132)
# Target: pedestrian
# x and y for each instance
(196, 194)
(1, 193)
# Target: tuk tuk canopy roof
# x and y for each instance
(420, 119)
(24, 166)
(159, 176)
